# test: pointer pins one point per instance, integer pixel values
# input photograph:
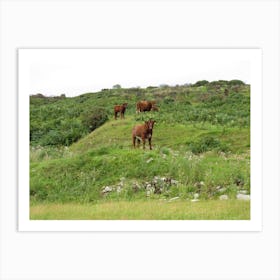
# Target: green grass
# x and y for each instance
(143, 210)
(176, 136)
(82, 177)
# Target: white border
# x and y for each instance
(151, 255)
(254, 224)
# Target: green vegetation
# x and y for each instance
(201, 148)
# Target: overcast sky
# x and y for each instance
(77, 71)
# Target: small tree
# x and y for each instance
(201, 83)
(117, 86)
(236, 83)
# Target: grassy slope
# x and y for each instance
(175, 136)
(106, 155)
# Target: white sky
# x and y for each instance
(77, 71)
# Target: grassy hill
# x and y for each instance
(201, 145)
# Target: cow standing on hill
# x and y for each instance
(120, 109)
(146, 106)
(143, 131)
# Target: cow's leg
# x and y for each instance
(143, 139)
(150, 144)
(116, 114)
(133, 141)
(138, 143)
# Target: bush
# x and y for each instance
(207, 144)
(236, 83)
(201, 83)
(94, 118)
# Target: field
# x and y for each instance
(144, 210)
(83, 165)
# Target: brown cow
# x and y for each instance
(144, 106)
(120, 109)
(143, 131)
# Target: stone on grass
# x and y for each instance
(173, 198)
(241, 196)
(174, 182)
(223, 197)
(243, 192)
(107, 189)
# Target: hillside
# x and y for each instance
(201, 145)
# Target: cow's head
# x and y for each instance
(150, 124)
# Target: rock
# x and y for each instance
(107, 189)
(243, 192)
(173, 198)
(241, 196)
(149, 160)
(174, 182)
(223, 197)
(119, 189)
(199, 184)
(239, 182)
(158, 190)
(194, 200)
(148, 193)
(222, 190)
(148, 185)
(196, 196)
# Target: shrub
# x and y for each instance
(207, 144)
(94, 118)
(236, 82)
(201, 83)
(117, 86)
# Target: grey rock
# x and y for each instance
(196, 196)
(107, 189)
(194, 200)
(243, 192)
(241, 196)
(223, 197)
(173, 198)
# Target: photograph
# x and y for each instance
(139, 134)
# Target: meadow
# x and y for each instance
(82, 158)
